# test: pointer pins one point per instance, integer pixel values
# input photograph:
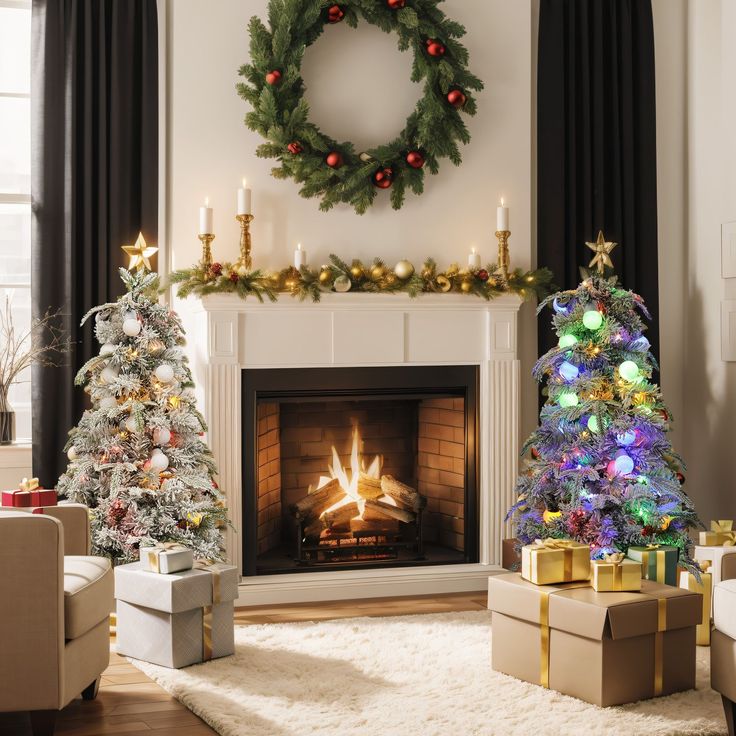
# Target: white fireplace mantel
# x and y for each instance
(226, 334)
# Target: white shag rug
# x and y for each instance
(428, 675)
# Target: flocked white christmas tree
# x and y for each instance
(137, 457)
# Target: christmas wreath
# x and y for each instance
(334, 170)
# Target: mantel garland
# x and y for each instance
(334, 170)
(338, 276)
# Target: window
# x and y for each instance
(15, 183)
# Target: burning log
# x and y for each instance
(379, 511)
(318, 500)
(369, 487)
(404, 495)
(339, 519)
(378, 525)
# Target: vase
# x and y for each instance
(7, 427)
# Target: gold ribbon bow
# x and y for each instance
(615, 558)
(652, 546)
(158, 548)
(705, 565)
(28, 484)
(551, 543)
(722, 525)
(212, 567)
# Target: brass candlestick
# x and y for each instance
(206, 239)
(245, 262)
(504, 259)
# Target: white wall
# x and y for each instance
(358, 88)
(709, 383)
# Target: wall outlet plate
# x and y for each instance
(728, 250)
(728, 331)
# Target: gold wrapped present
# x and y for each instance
(550, 561)
(615, 573)
(705, 588)
(721, 534)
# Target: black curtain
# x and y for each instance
(94, 99)
(597, 159)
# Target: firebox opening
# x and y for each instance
(341, 474)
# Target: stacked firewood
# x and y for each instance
(387, 504)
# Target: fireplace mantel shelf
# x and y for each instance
(227, 335)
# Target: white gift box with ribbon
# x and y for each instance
(176, 619)
(167, 558)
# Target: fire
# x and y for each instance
(348, 478)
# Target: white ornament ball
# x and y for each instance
(71, 453)
(109, 374)
(131, 327)
(109, 402)
(161, 436)
(159, 461)
(165, 373)
(107, 349)
(342, 284)
(131, 425)
(404, 270)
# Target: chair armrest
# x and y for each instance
(728, 567)
(31, 611)
(75, 519)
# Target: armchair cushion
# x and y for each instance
(88, 593)
(724, 607)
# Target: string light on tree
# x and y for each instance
(164, 373)
(569, 371)
(568, 399)
(592, 319)
(629, 371)
(568, 341)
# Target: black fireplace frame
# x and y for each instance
(364, 384)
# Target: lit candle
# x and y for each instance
(502, 218)
(244, 197)
(474, 259)
(300, 257)
(206, 226)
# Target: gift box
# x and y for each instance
(18, 499)
(550, 561)
(178, 619)
(615, 573)
(721, 532)
(604, 648)
(167, 558)
(658, 562)
(705, 588)
(716, 556)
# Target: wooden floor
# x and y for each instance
(131, 703)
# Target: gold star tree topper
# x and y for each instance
(602, 250)
(139, 253)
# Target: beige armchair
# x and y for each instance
(55, 601)
(723, 640)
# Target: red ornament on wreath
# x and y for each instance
(233, 276)
(457, 98)
(664, 414)
(295, 148)
(334, 160)
(680, 478)
(396, 4)
(415, 159)
(434, 47)
(483, 275)
(335, 14)
(216, 269)
(273, 77)
(384, 178)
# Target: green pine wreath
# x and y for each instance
(334, 170)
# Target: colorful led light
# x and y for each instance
(567, 399)
(626, 438)
(567, 341)
(594, 424)
(623, 464)
(641, 344)
(592, 319)
(629, 371)
(569, 371)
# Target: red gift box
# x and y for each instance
(44, 497)
(16, 499)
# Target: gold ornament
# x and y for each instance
(342, 284)
(378, 272)
(466, 286)
(324, 275)
(356, 271)
(156, 346)
(602, 250)
(404, 270)
(443, 284)
(139, 254)
(391, 279)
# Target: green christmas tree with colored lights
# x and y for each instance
(601, 469)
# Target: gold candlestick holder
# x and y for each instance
(206, 240)
(504, 259)
(245, 262)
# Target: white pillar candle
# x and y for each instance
(244, 200)
(300, 257)
(502, 218)
(474, 259)
(206, 226)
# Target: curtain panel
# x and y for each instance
(597, 158)
(94, 185)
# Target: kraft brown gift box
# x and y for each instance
(604, 648)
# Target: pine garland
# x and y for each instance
(335, 171)
(376, 278)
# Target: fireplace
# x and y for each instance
(348, 468)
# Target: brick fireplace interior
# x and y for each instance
(348, 468)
